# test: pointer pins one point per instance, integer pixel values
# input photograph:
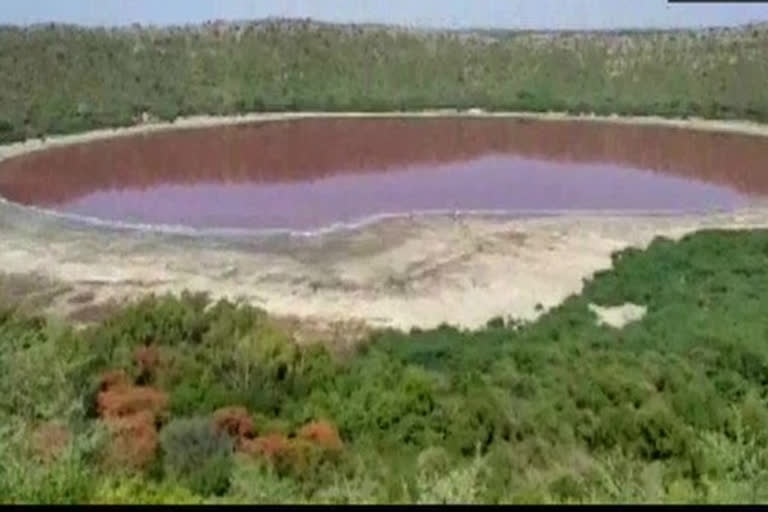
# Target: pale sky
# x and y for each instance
(525, 14)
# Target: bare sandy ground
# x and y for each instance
(403, 272)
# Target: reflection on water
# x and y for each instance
(313, 172)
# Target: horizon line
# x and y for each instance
(127, 26)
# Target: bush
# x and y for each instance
(66, 479)
(198, 455)
(135, 490)
(662, 434)
(256, 484)
(134, 441)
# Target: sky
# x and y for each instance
(522, 14)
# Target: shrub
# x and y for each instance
(662, 434)
(66, 479)
(274, 448)
(131, 414)
(36, 380)
(256, 484)
(191, 396)
(322, 434)
(235, 422)
(114, 379)
(168, 320)
(134, 441)
(135, 490)
(316, 444)
(147, 360)
(462, 485)
(121, 402)
(50, 440)
(198, 455)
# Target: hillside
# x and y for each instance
(148, 405)
(61, 79)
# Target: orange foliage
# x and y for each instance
(316, 441)
(49, 440)
(130, 413)
(272, 447)
(134, 440)
(125, 401)
(236, 422)
(114, 379)
(323, 434)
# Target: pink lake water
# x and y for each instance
(313, 173)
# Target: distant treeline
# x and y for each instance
(62, 79)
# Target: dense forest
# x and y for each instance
(184, 400)
(62, 79)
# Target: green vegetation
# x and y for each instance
(62, 79)
(180, 400)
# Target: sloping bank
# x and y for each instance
(179, 400)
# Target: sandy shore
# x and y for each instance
(400, 272)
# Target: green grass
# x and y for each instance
(62, 79)
(671, 408)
